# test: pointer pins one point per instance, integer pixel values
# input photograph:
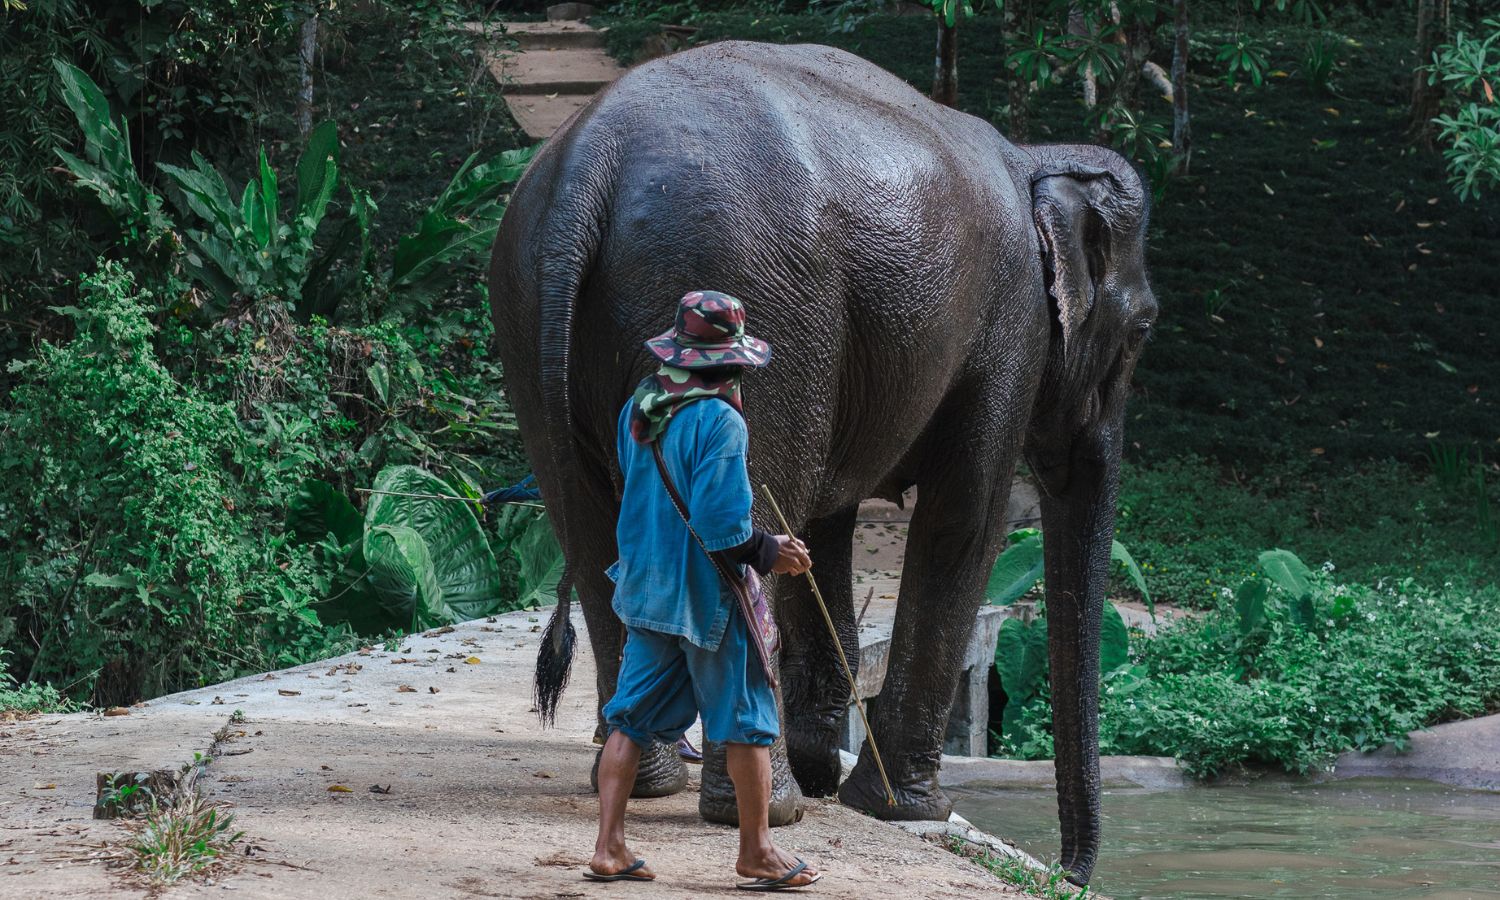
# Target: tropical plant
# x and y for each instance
(244, 250)
(133, 552)
(1469, 69)
(418, 557)
(109, 172)
(1021, 566)
(1318, 61)
(1022, 664)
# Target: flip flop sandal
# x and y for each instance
(782, 883)
(623, 875)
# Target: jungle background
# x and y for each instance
(242, 249)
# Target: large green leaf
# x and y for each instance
(403, 577)
(205, 194)
(1119, 554)
(1017, 569)
(1250, 604)
(314, 172)
(318, 508)
(1021, 661)
(541, 564)
(462, 219)
(1114, 641)
(1289, 573)
(427, 557)
(110, 171)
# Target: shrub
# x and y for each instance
(1288, 676)
(136, 561)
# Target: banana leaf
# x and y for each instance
(429, 561)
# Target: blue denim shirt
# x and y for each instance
(663, 579)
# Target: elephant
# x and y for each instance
(942, 305)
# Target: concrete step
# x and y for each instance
(578, 71)
(540, 115)
(554, 35)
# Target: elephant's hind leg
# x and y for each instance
(813, 683)
(593, 510)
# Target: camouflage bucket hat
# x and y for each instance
(710, 332)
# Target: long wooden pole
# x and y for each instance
(890, 795)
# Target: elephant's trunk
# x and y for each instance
(1078, 524)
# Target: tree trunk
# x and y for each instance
(1079, 26)
(307, 46)
(945, 71)
(1182, 132)
(1426, 99)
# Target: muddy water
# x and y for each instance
(1367, 838)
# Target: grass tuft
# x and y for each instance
(1051, 884)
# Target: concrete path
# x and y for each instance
(558, 69)
(1464, 754)
(482, 802)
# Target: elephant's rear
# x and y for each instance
(792, 174)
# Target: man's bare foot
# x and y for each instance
(617, 860)
(771, 862)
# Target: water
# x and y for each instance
(1375, 838)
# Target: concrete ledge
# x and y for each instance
(1464, 754)
(1149, 772)
(959, 827)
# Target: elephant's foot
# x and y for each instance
(716, 801)
(661, 773)
(814, 757)
(918, 797)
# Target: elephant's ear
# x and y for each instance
(1066, 211)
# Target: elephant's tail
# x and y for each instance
(573, 231)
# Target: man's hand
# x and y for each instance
(791, 556)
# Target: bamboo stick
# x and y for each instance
(890, 795)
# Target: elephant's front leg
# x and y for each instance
(955, 534)
(812, 679)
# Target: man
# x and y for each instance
(688, 649)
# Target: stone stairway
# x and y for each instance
(558, 68)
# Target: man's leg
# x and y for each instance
(653, 701)
(750, 770)
(617, 766)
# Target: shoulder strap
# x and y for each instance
(725, 569)
(682, 509)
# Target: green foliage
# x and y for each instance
(1290, 680)
(246, 252)
(1051, 884)
(1187, 523)
(1021, 661)
(1019, 567)
(430, 563)
(541, 560)
(1022, 565)
(1470, 68)
(127, 505)
(416, 561)
(1319, 62)
(110, 172)
(1243, 56)
(27, 699)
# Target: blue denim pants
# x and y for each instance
(666, 682)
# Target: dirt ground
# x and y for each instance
(482, 801)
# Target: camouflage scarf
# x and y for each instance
(658, 397)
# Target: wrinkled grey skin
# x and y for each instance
(941, 303)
